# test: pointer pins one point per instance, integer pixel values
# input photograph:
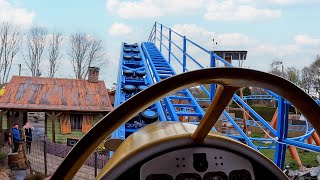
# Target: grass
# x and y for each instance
(308, 158)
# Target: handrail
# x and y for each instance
(151, 33)
(198, 46)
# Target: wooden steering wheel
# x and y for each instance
(229, 80)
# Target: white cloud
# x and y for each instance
(152, 8)
(281, 2)
(204, 36)
(15, 14)
(212, 9)
(289, 2)
(118, 29)
(230, 10)
(303, 39)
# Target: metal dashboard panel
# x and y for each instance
(181, 161)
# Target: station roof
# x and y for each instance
(235, 55)
(55, 94)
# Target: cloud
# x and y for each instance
(118, 29)
(290, 2)
(15, 14)
(152, 8)
(212, 9)
(303, 39)
(230, 10)
(205, 37)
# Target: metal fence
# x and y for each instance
(46, 156)
(4, 150)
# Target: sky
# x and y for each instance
(286, 30)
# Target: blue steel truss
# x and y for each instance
(161, 38)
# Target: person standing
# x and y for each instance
(16, 139)
(27, 129)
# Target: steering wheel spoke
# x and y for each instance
(218, 104)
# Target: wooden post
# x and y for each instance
(244, 116)
(0, 120)
(316, 138)
(46, 124)
(53, 116)
(8, 122)
(295, 155)
(95, 163)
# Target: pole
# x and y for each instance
(1, 121)
(45, 155)
(160, 37)
(169, 54)
(155, 34)
(212, 86)
(19, 69)
(282, 132)
(95, 163)
(282, 69)
(184, 53)
(53, 117)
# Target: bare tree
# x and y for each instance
(315, 69)
(85, 51)
(306, 79)
(10, 42)
(36, 42)
(275, 69)
(54, 55)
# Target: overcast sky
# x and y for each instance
(287, 30)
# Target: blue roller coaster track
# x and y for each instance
(143, 65)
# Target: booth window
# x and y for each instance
(76, 121)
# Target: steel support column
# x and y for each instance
(184, 62)
(282, 132)
(160, 37)
(212, 86)
(169, 53)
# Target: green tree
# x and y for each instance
(292, 74)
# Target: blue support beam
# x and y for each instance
(212, 86)
(160, 37)
(282, 132)
(184, 56)
(169, 50)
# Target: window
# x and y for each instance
(76, 121)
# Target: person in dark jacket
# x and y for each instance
(16, 137)
(27, 130)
